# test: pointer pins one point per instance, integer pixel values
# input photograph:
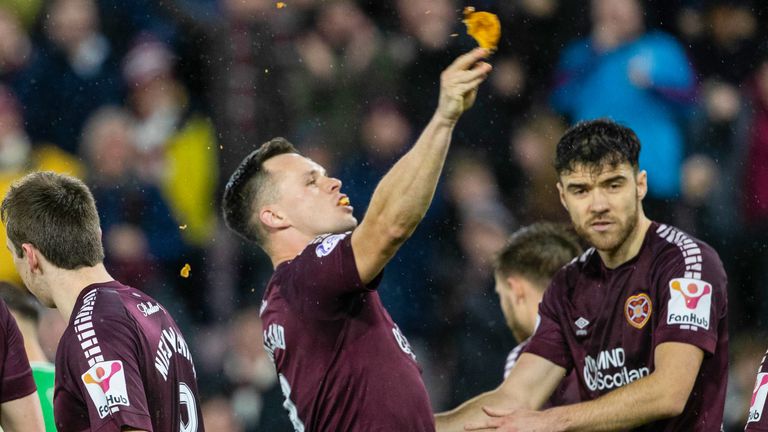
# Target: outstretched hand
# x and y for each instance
(459, 83)
(516, 420)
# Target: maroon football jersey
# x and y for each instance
(342, 363)
(15, 373)
(757, 419)
(605, 323)
(566, 393)
(122, 362)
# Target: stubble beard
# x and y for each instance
(610, 242)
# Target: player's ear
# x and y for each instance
(642, 184)
(516, 289)
(273, 218)
(561, 194)
(31, 255)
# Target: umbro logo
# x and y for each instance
(581, 323)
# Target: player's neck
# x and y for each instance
(631, 246)
(286, 245)
(66, 285)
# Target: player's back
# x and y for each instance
(122, 361)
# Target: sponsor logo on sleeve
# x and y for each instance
(328, 244)
(690, 302)
(105, 382)
(758, 398)
(147, 308)
(638, 309)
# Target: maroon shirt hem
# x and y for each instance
(130, 420)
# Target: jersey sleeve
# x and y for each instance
(692, 296)
(322, 279)
(548, 341)
(757, 417)
(17, 380)
(106, 368)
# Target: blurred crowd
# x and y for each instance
(154, 103)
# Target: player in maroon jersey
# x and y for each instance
(523, 270)
(19, 405)
(342, 363)
(640, 316)
(122, 363)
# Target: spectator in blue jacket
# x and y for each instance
(640, 78)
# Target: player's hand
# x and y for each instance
(459, 82)
(518, 420)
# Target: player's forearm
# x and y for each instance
(644, 401)
(403, 196)
(471, 411)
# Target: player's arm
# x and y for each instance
(402, 197)
(529, 384)
(22, 414)
(662, 394)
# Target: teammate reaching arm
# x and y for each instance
(641, 316)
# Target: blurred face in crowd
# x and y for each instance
(109, 143)
(70, 22)
(307, 199)
(624, 18)
(603, 203)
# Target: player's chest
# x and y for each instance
(606, 313)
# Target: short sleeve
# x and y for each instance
(757, 417)
(691, 289)
(105, 369)
(548, 341)
(324, 276)
(17, 379)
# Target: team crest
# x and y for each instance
(638, 310)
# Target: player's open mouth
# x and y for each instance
(343, 201)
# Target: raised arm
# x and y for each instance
(22, 415)
(529, 384)
(662, 394)
(402, 197)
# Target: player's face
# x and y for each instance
(311, 201)
(604, 206)
(511, 311)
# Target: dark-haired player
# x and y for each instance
(122, 363)
(523, 270)
(343, 364)
(640, 316)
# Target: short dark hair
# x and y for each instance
(57, 214)
(248, 187)
(596, 143)
(20, 301)
(537, 252)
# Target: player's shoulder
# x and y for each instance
(323, 245)
(314, 252)
(577, 265)
(671, 244)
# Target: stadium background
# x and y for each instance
(154, 103)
